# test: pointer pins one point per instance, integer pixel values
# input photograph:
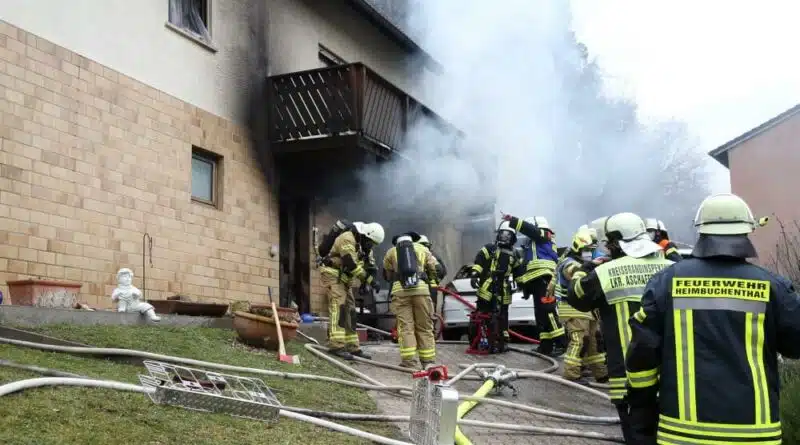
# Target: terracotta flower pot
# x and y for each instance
(43, 293)
(261, 332)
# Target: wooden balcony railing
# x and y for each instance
(343, 100)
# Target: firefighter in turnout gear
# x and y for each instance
(615, 289)
(344, 263)
(658, 233)
(410, 267)
(491, 275)
(581, 326)
(441, 271)
(534, 274)
(702, 364)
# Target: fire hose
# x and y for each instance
(308, 415)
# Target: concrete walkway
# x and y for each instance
(540, 393)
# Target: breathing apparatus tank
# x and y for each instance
(339, 227)
(407, 266)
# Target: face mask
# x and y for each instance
(586, 256)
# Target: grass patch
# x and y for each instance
(790, 401)
(89, 416)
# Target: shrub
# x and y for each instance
(790, 401)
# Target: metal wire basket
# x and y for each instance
(201, 390)
(434, 410)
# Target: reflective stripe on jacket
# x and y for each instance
(704, 352)
(426, 268)
(615, 288)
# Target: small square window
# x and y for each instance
(191, 16)
(205, 176)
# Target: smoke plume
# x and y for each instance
(541, 136)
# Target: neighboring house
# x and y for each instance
(764, 166)
(123, 118)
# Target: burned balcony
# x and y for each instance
(344, 106)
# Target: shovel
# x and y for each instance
(282, 356)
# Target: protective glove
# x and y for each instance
(376, 287)
(506, 216)
(363, 289)
(526, 296)
(589, 266)
(475, 282)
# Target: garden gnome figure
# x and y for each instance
(129, 298)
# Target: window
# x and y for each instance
(206, 176)
(191, 16)
(329, 58)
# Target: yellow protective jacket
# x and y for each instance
(543, 250)
(345, 259)
(702, 364)
(615, 289)
(494, 282)
(567, 266)
(426, 266)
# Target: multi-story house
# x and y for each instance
(213, 126)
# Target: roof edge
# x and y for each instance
(396, 34)
(720, 154)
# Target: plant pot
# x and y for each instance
(43, 293)
(282, 311)
(189, 308)
(258, 331)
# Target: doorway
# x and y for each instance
(295, 252)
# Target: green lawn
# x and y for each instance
(790, 401)
(87, 416)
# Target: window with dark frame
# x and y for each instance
(329, 58)
(205, 176)
(191, 16)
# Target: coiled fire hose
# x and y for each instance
(316, 417)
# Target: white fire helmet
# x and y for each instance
(634, 240)
(373, 231)
(724, 214)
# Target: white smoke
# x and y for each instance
(541, 136)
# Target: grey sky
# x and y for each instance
(722, 67)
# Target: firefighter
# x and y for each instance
(533, 276)
(441, 272)
(658, 233)
(614, 288)
(410, 267)
(702, 364)
(344, 263)
(581, 327)
(491, 274)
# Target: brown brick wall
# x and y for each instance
(92, 159)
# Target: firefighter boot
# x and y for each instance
(409, 363)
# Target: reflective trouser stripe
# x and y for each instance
(623, 327)
(676, 431)
(684, 359)
(754, 347)
(408, 352)
(595, 359)
(552, 331)
(617, 389)
(427, 355)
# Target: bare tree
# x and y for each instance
(785, 260)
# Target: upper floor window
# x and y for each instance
(192, 16)
(329, 58)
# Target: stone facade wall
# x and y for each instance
(91, 160)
